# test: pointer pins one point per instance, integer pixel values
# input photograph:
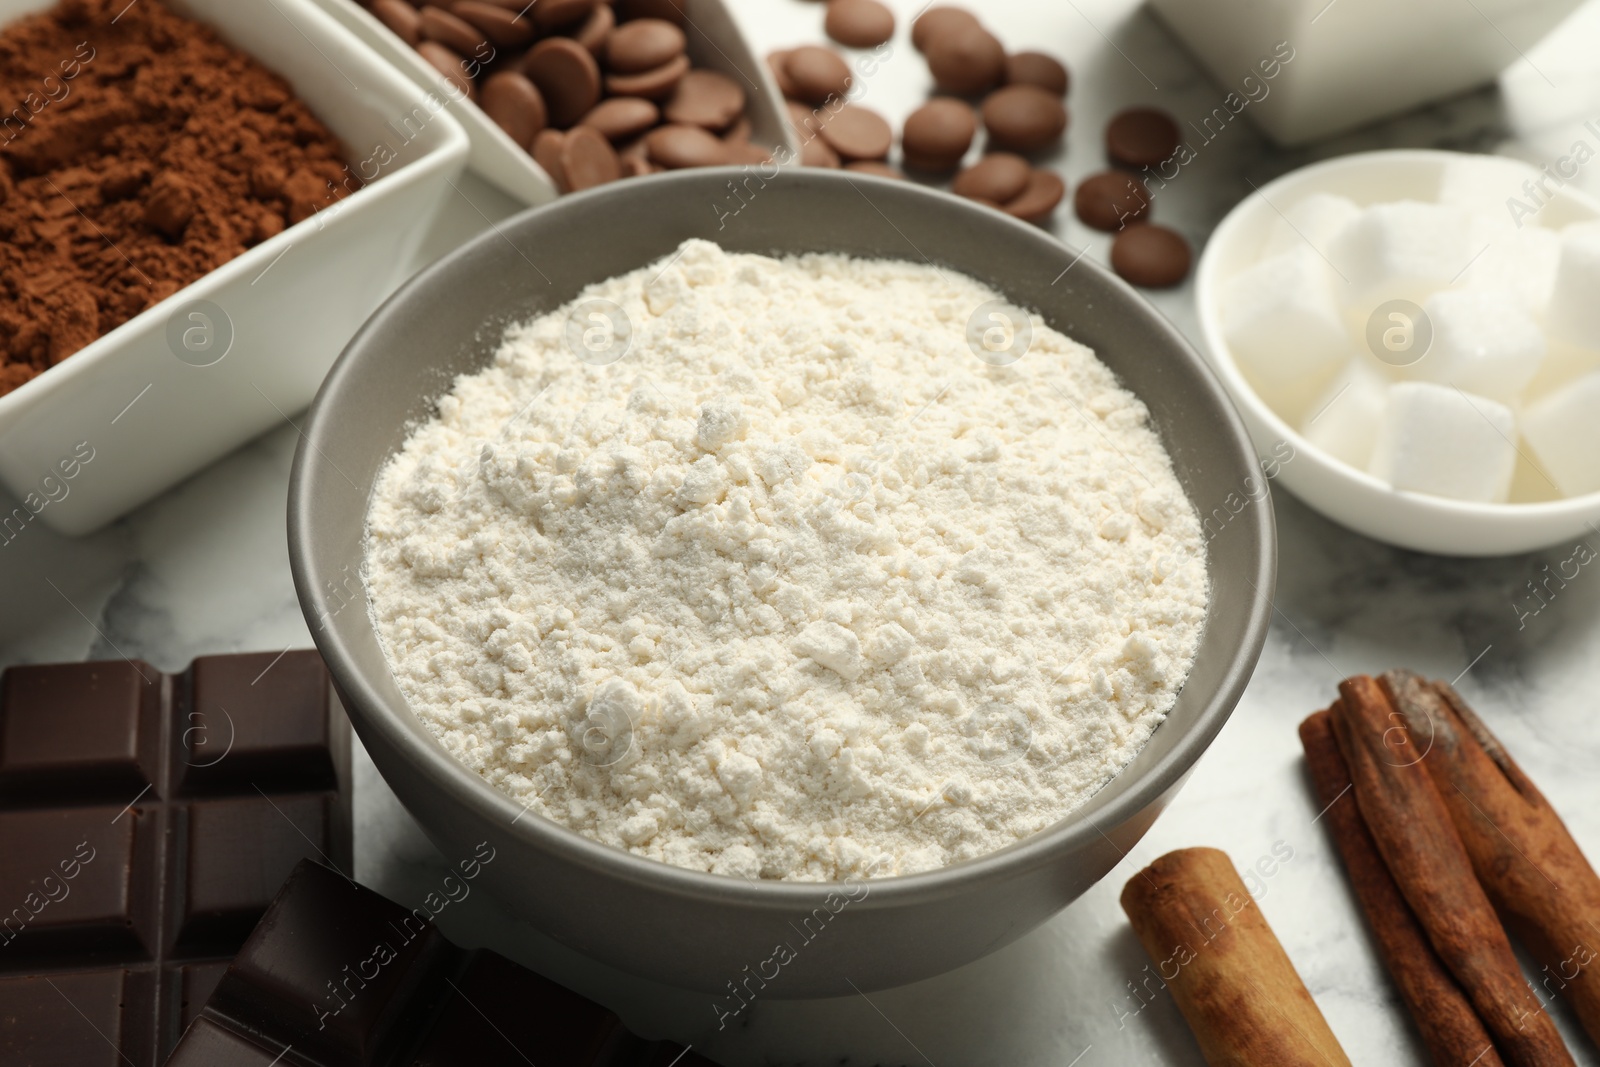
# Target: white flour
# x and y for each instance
(798, 588)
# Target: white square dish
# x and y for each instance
(714, 43)
(278, 314)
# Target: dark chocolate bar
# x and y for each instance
(146, 821)
(336, 975)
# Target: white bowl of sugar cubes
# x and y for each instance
(1423, 329)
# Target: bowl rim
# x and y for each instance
(1073, 833)
(1207, 304)
(450, 145)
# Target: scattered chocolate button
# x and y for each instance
(547, 153)
(587, 159)
(966, 63)
(642, 45)
(516, 106)
(654, 84)
(741, 130)
(671, 10)
(558, 14)
(567, 77)
(1036, 68)
(858, 23)
(856, 133)
(439, 1005)
(705, 98)
(596, 29)
(1141, 137)
(452, 66)
(816, 153)
(1150, 256)
(1111, 200)
(938, 134)
(400, 17)
(1039, 198)
(1023, 118)
(674, 146)
(621, 117)
(747, 153)
(454, 33)
(153, 818)
(939, 21)
(776, 62)
(817, 73)
(997, 177)
(503, 28)
(876, 167)
(806, 121)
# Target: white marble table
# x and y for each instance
(204, 569)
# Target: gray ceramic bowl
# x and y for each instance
(701, 930)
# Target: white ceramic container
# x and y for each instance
(1344, 493)
(245, 347)
(714, 42)
(1353, 60)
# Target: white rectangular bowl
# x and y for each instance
(289, 304)
(714, 43)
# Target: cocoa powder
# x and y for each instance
(138, 152)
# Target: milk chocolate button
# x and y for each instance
(1036, 68)
(567, 76)
(516, 106)
(806, 122)
(621, 117)
(939, 21)
(705, 98)
(547, 153)
(966, 63)
(1038, 198)
(656, 83)
(596, 29)
(449, 64)
(676, 146)
(454, 33)
(1111, 200)
(999, 176)
(876, 167)
(643, 44)
(587, 159)
(504, 29)
(816, 153)
(400, 17)
(748, 152)
(557, 14)
(780, 73)
(1141, 137)
(1023, 118)
(858, 23)
(938, 134)
(817, 73)
(1150, 256)
(857, 133)
(671, 10)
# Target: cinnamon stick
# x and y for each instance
(1228, 974)
(1450, 1028)
(1414, 834)
(1527, 861)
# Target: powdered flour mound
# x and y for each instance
(799, 587)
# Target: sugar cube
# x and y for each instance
(1563, 431)
(1438, 440)
(1344, 420)
(1404, 250)
(1484, 184)
(1313, 220)
(1483, 343)
(1284, 328)
(1574, 314)
(1520, 263)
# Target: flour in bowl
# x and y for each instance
(797, 588)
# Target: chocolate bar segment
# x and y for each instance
(336, 975)
(146, 821)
